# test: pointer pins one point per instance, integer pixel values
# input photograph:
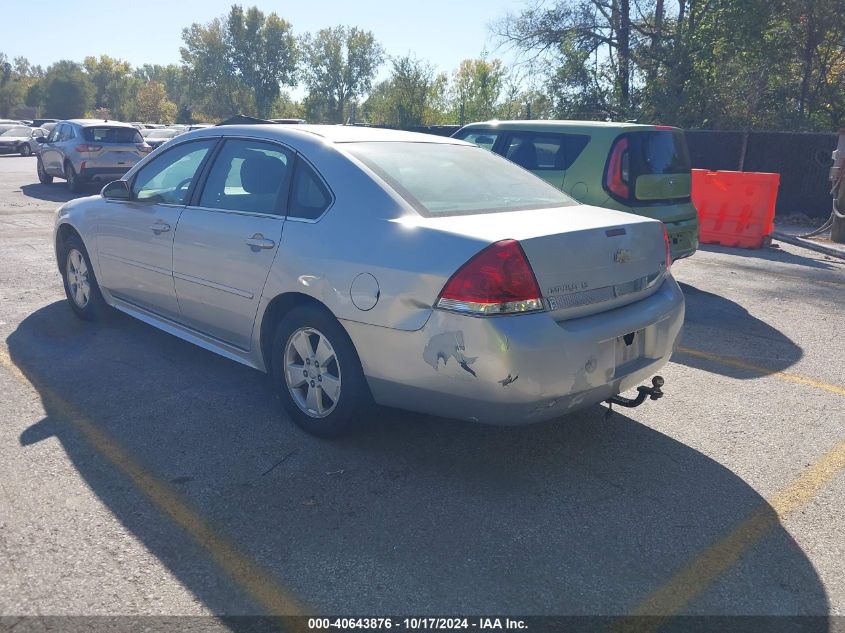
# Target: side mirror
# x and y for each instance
(40, 139)
(116, 190)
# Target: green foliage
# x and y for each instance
(68, 92)
(263, 52)
(339, 65)
(692, 63)
(412, 96)
(153, 104)
(728, 64)
(115, 86)
(477, 86)
(214, 87)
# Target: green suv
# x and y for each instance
(642, 169)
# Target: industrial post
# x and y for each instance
(837, 178)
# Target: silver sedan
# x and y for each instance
(360, 265)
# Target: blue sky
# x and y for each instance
(441, 31)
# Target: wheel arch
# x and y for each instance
(275, 311)
(63, 232)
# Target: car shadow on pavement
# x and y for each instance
(56, 192)
(411, 515)
(716, 325)
(811, 260)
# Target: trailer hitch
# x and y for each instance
(653, 393)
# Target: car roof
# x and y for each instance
(560, 124)
(323, 133)
(97, 122)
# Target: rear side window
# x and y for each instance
(309, 198)
(248, 176)
(107, 134)
(545, 152)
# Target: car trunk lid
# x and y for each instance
(586, 259)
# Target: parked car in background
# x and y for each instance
(16, 139)
(357, 263)
(642, 169)
(49, 126)
(154, 138)
(89, 150)
(11, 122)
(37, 137)
(40, 122)
(199, 126)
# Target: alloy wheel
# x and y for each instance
(312, 372)
(77, 278)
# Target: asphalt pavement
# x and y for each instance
(143, 475)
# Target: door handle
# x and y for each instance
(159, 227)
(258, 241)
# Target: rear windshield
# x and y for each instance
(104, 134)
(659, 152)
(439, 179)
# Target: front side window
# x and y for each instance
(248, 176)
(168, 178)
(482, 138)
(66, 133)
(309, 198)
(444, 179)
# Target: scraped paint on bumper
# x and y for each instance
(523, 368)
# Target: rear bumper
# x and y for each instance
(517, 369)
(102, 173)
(683, 237)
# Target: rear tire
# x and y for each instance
(317, 374)
(73, 181)
(43, 177)
(25, 150)
(81, 288)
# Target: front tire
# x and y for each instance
(26, 150)
(43, 177)
(81, 288)
(74, 183)
(317, 373)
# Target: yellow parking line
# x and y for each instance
(758, 369)
(244, 572)
(699, 573)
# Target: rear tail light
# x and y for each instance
(498, 280)
(88, 148)
(144, 148)
(616, 179)
(668, 246)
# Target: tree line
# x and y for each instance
(725, 64)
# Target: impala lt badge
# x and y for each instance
(622, 256)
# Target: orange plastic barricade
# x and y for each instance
(735, 208)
